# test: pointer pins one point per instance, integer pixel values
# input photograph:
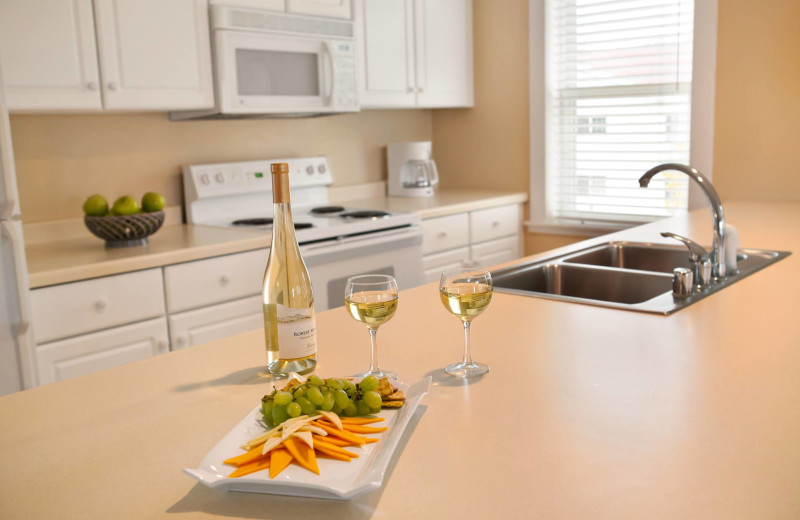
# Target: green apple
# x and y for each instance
(126, 205)
(152, 201)
(95, 206)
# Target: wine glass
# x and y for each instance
(466, 293)
(372, 300)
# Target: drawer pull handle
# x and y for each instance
(163, 346)
(225, 279)
(495, 223)
(442, 234)
(181, 340)
(101, 304)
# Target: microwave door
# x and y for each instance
(266, 74)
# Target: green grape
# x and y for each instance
(337, 409)
(315, 396)
(300, 392)
(328, 403)
(279, 414)
(293, 410)
(351, 409)
(341, 399)
(334, 383)
(283, 398)
(373, 399)
(349, 386)
(306, 405)
(315, 381)
(266, 410)
(363, 409)
(375, 410)
(368, 384)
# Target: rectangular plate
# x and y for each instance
(337, 480)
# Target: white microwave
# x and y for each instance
(281, 65)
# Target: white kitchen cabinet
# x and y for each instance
(192, 285)
(48, 55)
(480, 239)
(149, 55)
(70, 309)
(415, 53)
(82, 355)
(215, 322)
(329, 8)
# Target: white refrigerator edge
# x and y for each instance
(16, 338)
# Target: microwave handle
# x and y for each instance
(330, 75)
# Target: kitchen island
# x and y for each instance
(587, 412)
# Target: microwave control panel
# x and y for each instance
(345, 90)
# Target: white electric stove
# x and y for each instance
(336, 241)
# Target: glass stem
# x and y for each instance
(467, 353)
(373, 339)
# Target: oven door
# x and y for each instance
(396, 252)
(265, 73)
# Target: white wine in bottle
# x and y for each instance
(289, 324)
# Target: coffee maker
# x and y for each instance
(412, 172)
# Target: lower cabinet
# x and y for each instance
(215, 322)
(479, 239)
(82, 355)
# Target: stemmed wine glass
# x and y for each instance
(466, 293)
(372, 300)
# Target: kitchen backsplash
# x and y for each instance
(62, 159)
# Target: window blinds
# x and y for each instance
(619, 78)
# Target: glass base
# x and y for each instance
(281, 368)
(379, 374)
(467, 369)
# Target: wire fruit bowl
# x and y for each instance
(125, 230)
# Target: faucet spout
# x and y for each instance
(718, 253)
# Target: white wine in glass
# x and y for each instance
(372, 300)
(466, 293)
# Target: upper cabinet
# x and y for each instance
(149, 55)
(415, 53)
(330, 8)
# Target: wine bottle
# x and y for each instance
(289, 325)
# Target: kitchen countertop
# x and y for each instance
(53, 262)
(587, 412)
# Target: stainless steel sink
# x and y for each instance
(624, 275)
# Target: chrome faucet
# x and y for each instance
(718, 253)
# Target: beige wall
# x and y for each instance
(62, 159)
(757, 113)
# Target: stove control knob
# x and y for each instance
(205, 179)
(309, 169)
(321, 168)
(220, 177)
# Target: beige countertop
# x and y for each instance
(82, 256)
(587, 413)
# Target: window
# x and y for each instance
(617, 102)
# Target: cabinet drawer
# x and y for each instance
(76, 308)
(433, 265)
(90, 353)
(494, 252)
(488, 224)
(215, 280)
(442, 233)
(218, 321)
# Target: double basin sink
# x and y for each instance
(632, 276)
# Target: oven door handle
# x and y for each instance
(395, 238)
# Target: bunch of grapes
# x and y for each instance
(340, 396)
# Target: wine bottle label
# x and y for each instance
(297, 332)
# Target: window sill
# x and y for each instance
(592, 229)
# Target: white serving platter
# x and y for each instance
(337, 480)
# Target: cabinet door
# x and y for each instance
(330, 8)
(84, 355)
(154, 55)
(48, 55)
(215, 322)
(494, 252)
(385, 39)
(433, 265)
(443, 33)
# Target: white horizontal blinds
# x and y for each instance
(619, 77)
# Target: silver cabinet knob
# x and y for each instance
(101, 304)
(442, 234)
(225, 279)
(181, 340)
(91, 86)
(495, 223)
(163, 345)
(112, 86)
